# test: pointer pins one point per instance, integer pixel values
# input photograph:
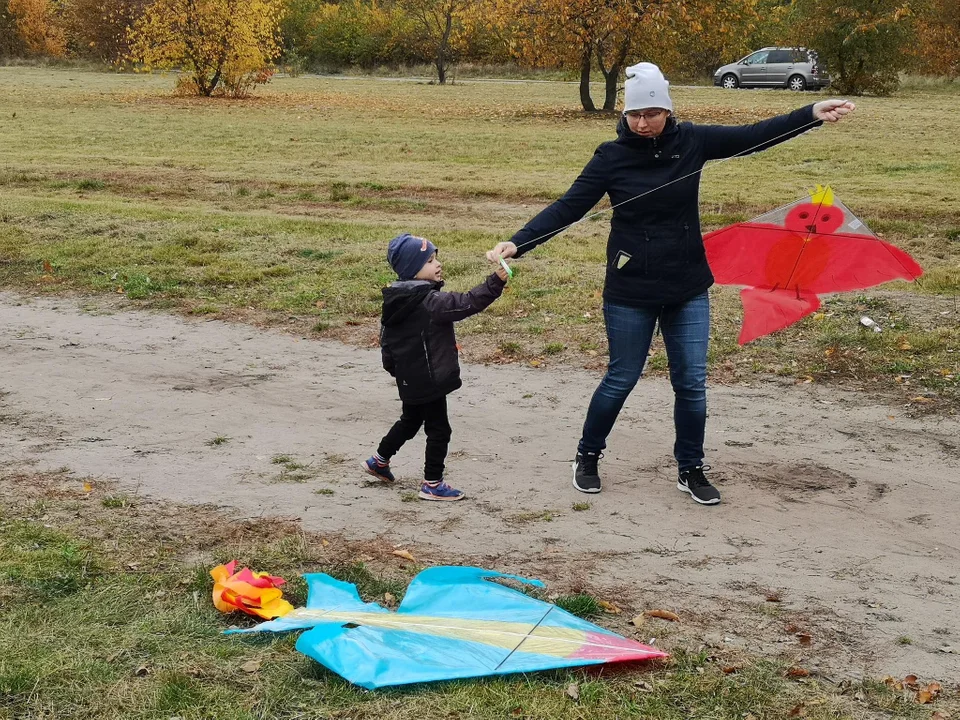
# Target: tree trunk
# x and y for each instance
(610, 82)
(443, 61)
(612, 76)
(585, 100)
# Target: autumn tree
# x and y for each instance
(864, 42)
(441, 29)
(11, 44)
(707, 34)
(584, 34)
(937, 50)
(101, 28)
(352, 32)
(39, 26)
(226, 44)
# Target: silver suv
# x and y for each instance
(794, 68)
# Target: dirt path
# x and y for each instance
(847, 510)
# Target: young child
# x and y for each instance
(419, 349)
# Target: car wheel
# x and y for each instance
(729, 81)
(797, 83)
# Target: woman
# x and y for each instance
(657, 270)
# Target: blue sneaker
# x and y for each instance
(379, 470)
(440, 491)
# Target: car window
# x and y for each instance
(757, 58)
(780, 56)
(801, 56)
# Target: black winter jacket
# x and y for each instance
(417, 340)
(655, 253)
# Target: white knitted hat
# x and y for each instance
(646, 87)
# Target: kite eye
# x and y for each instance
(826, 218)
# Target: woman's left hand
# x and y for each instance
(832, 110)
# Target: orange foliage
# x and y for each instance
(39, 26)
(937, 50)
(100, 28)
(585, 34)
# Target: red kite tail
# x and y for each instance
(766, 311)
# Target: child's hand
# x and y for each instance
(501, 273)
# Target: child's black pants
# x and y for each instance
(432, 417)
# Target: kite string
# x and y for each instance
(666, 184)
(525, 637)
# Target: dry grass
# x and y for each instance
(281, 206)
(105, 612)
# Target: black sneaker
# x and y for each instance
(693, 481)
(585, 476)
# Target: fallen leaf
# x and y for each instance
(47, 267)
(141, 671)
(389, 598)
(638, 621)
(937, 715)
(798, 711)
(773, 596)
(405, 555)
(829, 352)
(730, 669)
(924, 697)
(87, 487)
(324, 542)
(910, 681)
(535, 363)
(922, 399)
(663, 615)
(251, 666)
(643, 686)
(797, 672)
(573, 691)
(609, 607)
(804, 638)
(905, 345)
(792, 628)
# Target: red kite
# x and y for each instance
(789, 256)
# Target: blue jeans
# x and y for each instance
(686, 333)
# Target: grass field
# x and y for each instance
(105, 612)
(277, 210)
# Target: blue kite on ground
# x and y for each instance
(453, 623)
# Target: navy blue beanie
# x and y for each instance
(407, 254)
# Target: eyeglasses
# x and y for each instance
(649, 115)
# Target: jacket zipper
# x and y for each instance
(426, 354)
(686, 242)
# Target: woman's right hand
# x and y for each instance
(502, 250)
